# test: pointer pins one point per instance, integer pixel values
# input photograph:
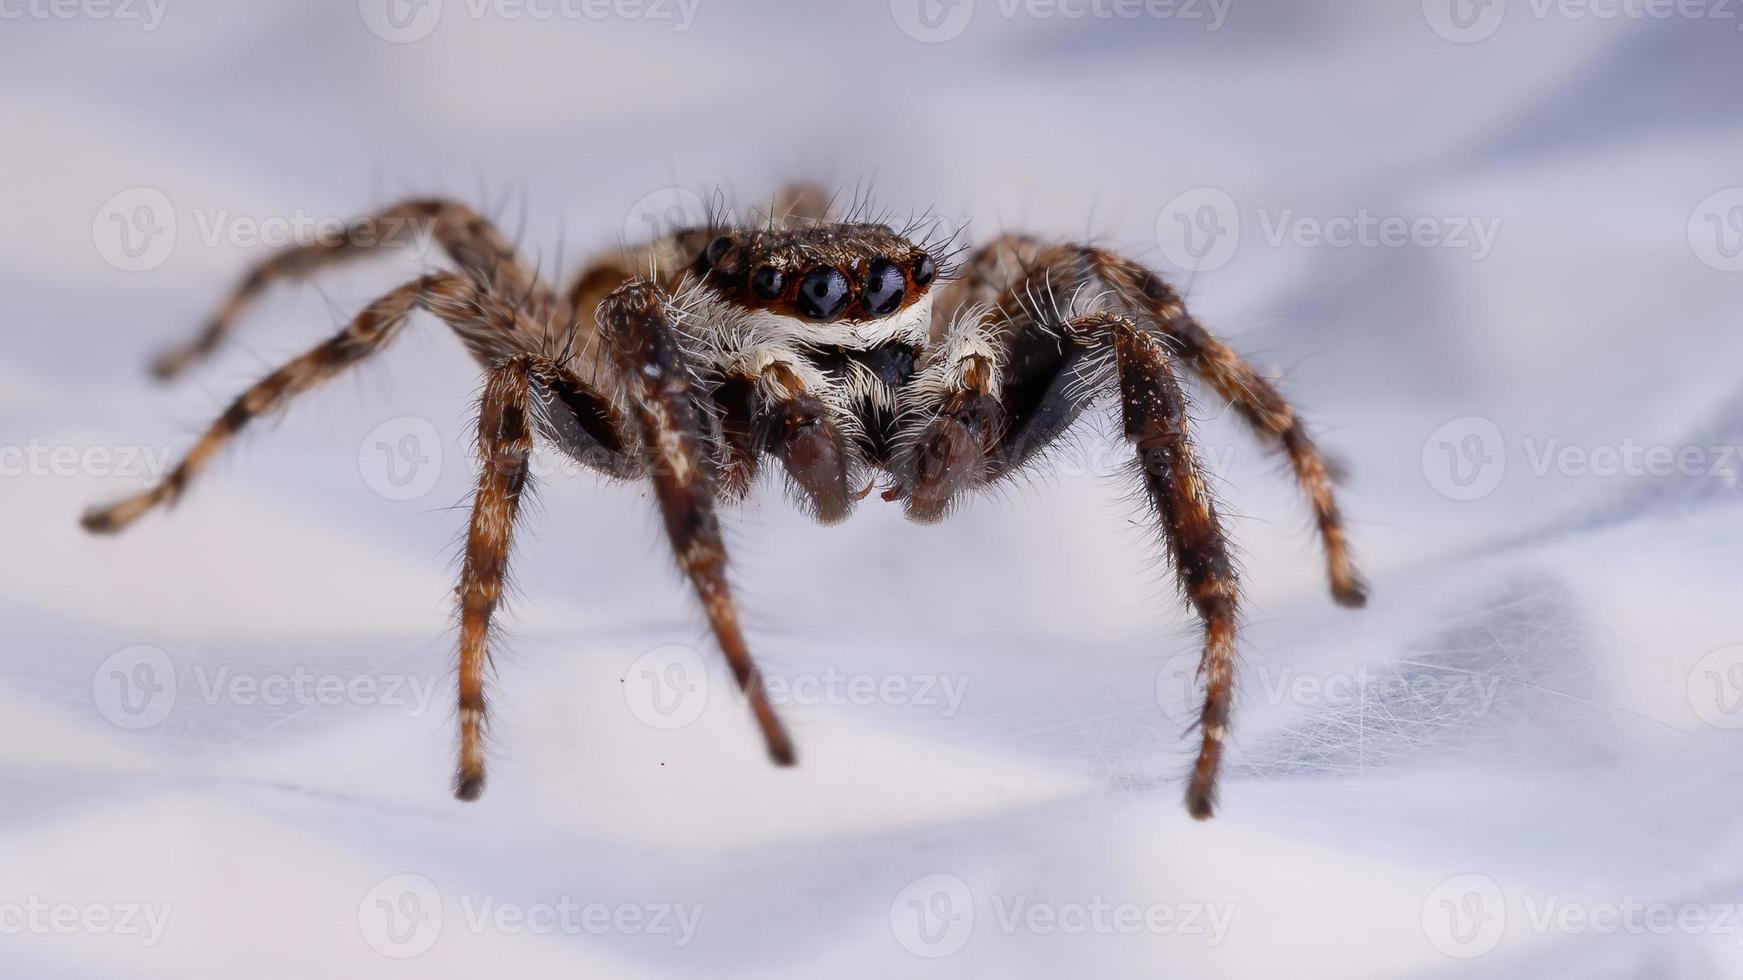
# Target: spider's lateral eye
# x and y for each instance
(925, 270)
(716, 250)
(823, 293)
(768, 282)
(884, 288)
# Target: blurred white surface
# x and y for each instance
(236, 716)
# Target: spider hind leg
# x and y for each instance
(487, 325)
(471, 242)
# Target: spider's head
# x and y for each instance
(846, 284)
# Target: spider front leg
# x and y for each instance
(985, 406)
(1153, 413)
(1257, 401)
(664, 401)
(584, 424)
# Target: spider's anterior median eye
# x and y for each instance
(768, 282)
(823, 293)
(925, 270)
(715, 251)
(884, 288)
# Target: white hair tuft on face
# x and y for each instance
(712, 315)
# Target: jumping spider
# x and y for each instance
(841, 349)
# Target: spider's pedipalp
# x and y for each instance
(799, 428)
(952, 418)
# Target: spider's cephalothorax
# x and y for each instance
(839, 349)
(811, 330)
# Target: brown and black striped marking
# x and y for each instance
(837, 348)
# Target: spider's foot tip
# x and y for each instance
(1351, 596)
(782, 754)
(99, 520)
(1200, 807)
(468, 786)
(166, 367)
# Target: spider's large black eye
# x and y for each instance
(884, 288)
(823, 293)
(716, 250)
(768, 282)
(925, 270)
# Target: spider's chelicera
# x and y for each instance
(839, 349)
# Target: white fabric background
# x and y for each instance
(1536, 660)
